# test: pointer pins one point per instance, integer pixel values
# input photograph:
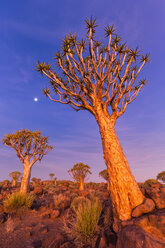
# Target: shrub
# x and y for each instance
(18, 201)
(149, 182)
(77, 201)
(87, 217)
(58, 199)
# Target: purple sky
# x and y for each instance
(32, 30)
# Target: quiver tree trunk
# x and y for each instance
(14, 182)
(124, 191)
(81, 183)
(25, 179)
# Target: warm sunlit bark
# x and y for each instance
(108, 185)
(124, 191)
(25, 178)
(81, 183)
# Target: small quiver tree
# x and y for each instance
(79, 173)
(51, 175)
(104, 174)
(15, 176)
(161, 176)
(30, 147)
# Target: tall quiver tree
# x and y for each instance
(15, 175)
(79, 173)
(102, 79)
(30, 147)
(104, 174)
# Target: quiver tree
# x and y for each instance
(104, 174)
(161, 176)
(79, 173)
(103, 79)
(15, 176)
(30, 147)
(51, 175)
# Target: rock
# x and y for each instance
(67, 245)
(38, 190)
(133, 236)
(106, 240)
(83, 193)
(43, 230)
(102, 243)
(3, 217)
(37, 244)
(157, 194)
(64, 204)
(46, 214)
(55, 213)
(147, 206)
(153, 223)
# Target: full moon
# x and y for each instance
(35, 99)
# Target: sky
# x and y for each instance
(32, 30)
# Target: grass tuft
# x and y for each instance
(18, 201)
(87, 214)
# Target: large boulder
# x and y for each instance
(133, 236)
(146, 207)
(153, 223)
(157, 194)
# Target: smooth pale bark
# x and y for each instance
(25, 178)
(81, 183)
(124, 191)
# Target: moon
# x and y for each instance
(36, 99)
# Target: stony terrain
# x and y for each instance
(44, 225)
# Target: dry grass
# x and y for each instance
(17, 201)
(83, 226)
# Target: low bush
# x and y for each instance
(149, 182)
(58, 199)
(18, 201)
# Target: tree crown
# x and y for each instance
(79, 171)
(15, 175)
(29, 145)
(104, 174)
(89, 73)
(161, 176)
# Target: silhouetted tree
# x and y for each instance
(30, 147)
(103, 79)
(79, 172)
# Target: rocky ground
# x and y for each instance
(44, 225)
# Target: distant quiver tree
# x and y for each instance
(79, 173)
(51, 175)
(15, 175)
(30, 147)
(103, 79)
(161, 176)
(104, 174)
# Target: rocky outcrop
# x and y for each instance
(133, 236)
(157, 194)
